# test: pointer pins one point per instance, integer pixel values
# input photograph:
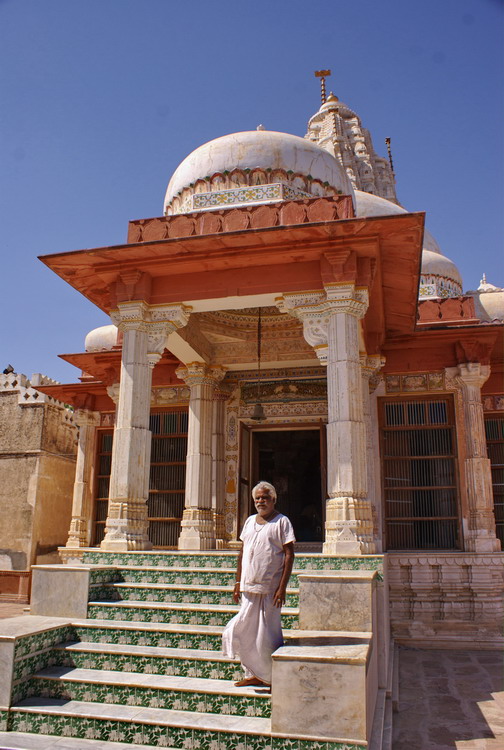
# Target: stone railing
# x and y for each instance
(237, 219)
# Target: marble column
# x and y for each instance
(331, 325)
(219, 465)
(197, 527)
(468, 378)
(349, 522)
(145, 331)
(80, 526)
(370, 366)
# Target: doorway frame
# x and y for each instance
(247, 465)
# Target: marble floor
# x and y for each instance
(449, 700)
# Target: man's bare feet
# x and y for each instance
(251, 681)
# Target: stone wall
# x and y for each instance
(37, 466)
(443, 600)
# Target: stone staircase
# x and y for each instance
(144, 667)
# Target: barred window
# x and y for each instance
(103, 463)
(494, 427)
(165, 504)
(419, 471)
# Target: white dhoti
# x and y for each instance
(253, 634)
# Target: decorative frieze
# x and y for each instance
(246, 195)
(494, 402)
(284, 391)
(415, 383)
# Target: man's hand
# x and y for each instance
(236, 593)
(279, 597)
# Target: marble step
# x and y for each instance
(25, 741)
(168, 593)
(217, 560)
(178, 635)
(150, 660)
(150, 691)
(159, 727)
(187, 614)
(174, 575)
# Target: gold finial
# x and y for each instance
(389, 151)
(322, 74)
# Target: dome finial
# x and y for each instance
(260, 127)
(322, 74)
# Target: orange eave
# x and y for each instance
(277, 259)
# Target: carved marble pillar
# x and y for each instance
(468, 378)
(197, 527)
(370, 367)
(145, 331)
(349, 522)
(80, 526)
(219, 465)
(331, 325)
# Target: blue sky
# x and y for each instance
(102, 99)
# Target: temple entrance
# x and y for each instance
(291, 461)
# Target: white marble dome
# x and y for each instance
(254, 159)
(488, 302)
(101, 339)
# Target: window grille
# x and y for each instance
(165, 503)
(420, 489)
(494, 427)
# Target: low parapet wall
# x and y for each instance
(447, 600)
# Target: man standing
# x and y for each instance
(264, 567)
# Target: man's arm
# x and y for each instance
(279, 597)
(236, 590)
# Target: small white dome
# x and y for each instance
(488, 301)
(263, 150)
(101, 339)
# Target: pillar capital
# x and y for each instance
(316, 308)
(86, 418)
(199, 373)
(371, 365)
(467, 375)
(158, 321)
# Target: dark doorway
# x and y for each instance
(290, 460)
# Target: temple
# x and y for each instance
(286, 319)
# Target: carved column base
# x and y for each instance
(78, 533)
(127, 527)
(349, 527)
(197, 530)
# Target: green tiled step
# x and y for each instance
(178, 576)
(186, 614)
(158, 727)
(225, 560)
(168, 593)
(25, 741)
(150, 691)
(149, 634)
(159, 559)
(153, 661)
